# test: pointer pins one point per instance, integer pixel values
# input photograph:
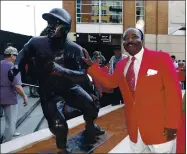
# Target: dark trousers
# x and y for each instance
(116, 97)
(75, 97)
(1, 111)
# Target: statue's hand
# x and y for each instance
(12, 73)
(87, 58)
(49, 67)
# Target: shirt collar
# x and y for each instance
(139, 55)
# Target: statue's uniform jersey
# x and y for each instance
(44, 50)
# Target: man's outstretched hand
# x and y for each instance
(87, 58)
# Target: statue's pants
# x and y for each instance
(75, 97)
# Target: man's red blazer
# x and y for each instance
(157, 100)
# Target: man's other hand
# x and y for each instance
(87, 58)
(25, 100)
(170, 133)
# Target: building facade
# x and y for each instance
(99, 24)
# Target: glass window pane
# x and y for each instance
(78, 1)
(86, 2)
(139, 3)
(78, 6)
(94, 2)
(89, 18)
(139, 11)
(88, 12)
(113, 18)
(86, 9)
(103, 2)
(78, 15)
(139, 17)
(103, 12)
(114, 3)
(103, 21)
(78, 20)
(115, 9)
(78, 10)
(111, 11)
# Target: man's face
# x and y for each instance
(132, 42)
(97, 56)
(173, 59)
(117, 52)
(13, 58)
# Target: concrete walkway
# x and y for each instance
(23, 111)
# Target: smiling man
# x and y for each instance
(150, 88)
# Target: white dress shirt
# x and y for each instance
(137, 63)
(176, 64)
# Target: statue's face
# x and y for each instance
(56, 29)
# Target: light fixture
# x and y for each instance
(140, 25)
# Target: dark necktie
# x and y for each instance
(130, 76)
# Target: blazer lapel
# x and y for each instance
(121, 70)
(143, 67)
(123, 79)
(122, 65)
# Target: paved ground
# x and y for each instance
(107, 122)
(29, 125)
(21, 109)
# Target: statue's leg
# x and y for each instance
(78, 98)
(52, 110)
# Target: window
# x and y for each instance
(93, 12)
(118, 3)
(140, 12)
(99, 11)
(78, 19)
(78, 1)
(87, 11)
(103, 2)
(139, 3)
(78, 10)
(113, 12)
(103, 12)
(103, 21)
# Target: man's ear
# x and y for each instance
(143, 43)
(12, 56)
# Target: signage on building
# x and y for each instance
(103, 38)
(93, 38)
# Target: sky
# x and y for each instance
(18, 16)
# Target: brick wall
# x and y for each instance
(163, 17)
(70, 6)
(156, 21)
(129, 16)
